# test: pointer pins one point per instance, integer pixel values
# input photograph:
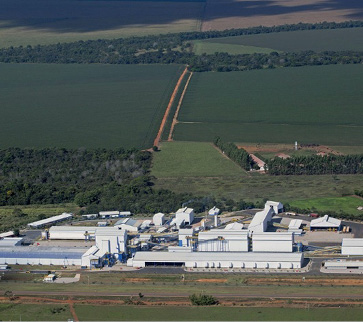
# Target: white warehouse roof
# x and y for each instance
(325, 221)
(10, 242)
(271, 236)
(260, 220)
(185, 210)
(295, 224)
(234, 226)
(50, 220)
(214, 211)
(352, 246)
(227, 234)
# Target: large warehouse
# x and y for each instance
(218, 260)
(352, 246)
(50, 221)
(223, 240)
(72, 232)
(325, 223)
(273, 242)
(260, 220)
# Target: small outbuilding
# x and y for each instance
(186, 214)
(159, 219)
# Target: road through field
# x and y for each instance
(171, 101)
(170, 138)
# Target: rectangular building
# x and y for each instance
(51, 220)
(273, 242)
(352, 246)
(223, 241)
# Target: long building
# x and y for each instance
(72, 232)
(261, 219)
(218, 260)
(51, 220)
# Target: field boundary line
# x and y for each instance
(167, 111)
(170, 137)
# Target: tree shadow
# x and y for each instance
(101, 15)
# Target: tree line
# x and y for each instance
(238, 155)
(176, 49)
(94, 179)
(316, 165)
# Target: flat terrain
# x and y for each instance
(344, 204)
(261, 106)
(34, 22)
(83, 105)
(192, 159)
(89, 313)
(257, 187)
(316, 40)
(228, 14)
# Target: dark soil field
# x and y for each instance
(83, 105)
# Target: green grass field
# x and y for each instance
(345, 204)
(31, 312)
(35, 22)
(113, 313)
(192, 159)
(104, 106)
(317, 40)
(262, 106)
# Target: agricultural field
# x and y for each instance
(35, 22)
(192, 159)
(345, 204)
(228, 14)
(91, 106)
(261, 106)
(316, 40)
(16, 216)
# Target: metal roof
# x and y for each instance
(217, 256)
(295, 224)
(352, 242)
(49, 220)
(40, 252)
(325, 221)
(185, 210)
(273, 236)
(72, 228)
(10, 242)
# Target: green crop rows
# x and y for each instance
(307, 104)
(317, 40)
(83, 105)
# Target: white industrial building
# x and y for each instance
(50, 220)
(218, 260)
(72, 232)
(11, 242)
(324, 223)
(185, 237)
(128, 224)
(343, 264)
(185, 214)
(111, 240)
(214, 211)
(280, 242)
(159, 219)
(278, 207)
(352, 246)
(294, 226)
(7, 234)
(109, 214)
(260, 220)
(223, 240)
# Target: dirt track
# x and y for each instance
(167, 111)
(170, 137)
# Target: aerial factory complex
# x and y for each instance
(269, 239)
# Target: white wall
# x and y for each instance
(272, 246)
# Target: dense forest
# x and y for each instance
(316, 165)
(176, 49)
(96, 180)
(238, 155)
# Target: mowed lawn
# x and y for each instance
(92, 106)
(345, 204)
(320, 104)
(192, 159)
(133, 313)
(316, 40)
(24, 22)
